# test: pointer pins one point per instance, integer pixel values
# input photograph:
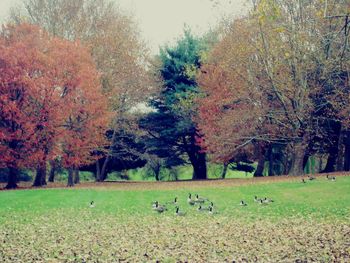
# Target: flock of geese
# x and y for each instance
(205, 205)
(311, 178)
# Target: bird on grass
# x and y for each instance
(256, 199)
(92, 204)
(173, 202)
(303, 181)
(330, 178)
(242, 203)
(178, 212)
(200, 200)
(202, 208)
(261, 202)
(212, 211)
(311, 178)
(159, 208)
(267, 200)
(190, 201)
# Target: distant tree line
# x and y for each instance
(268, 90)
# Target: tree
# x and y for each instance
(171, 128)
(116, 48)
(276, 51)
(41, 75)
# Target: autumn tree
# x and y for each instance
(283, 52)
(116, 48)
(40, 76)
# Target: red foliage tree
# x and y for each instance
(50, 100)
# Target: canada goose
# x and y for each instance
(201, 208)
(159, 208)
(179, 213)
(211, 210)
(261, 202)
(311, 178)
(173, 202)
(267, 200)
(256, 199)
(331, 178)
(92, 204)
(200, 200)
(242, 203)
(190, 201)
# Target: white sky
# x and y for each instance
(162, 21)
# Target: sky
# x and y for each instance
(162, 21)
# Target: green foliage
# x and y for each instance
(173, 132)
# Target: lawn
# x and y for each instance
(305, 222)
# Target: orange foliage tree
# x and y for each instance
(47, 92)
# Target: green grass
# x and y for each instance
(57, 224)
(319, 198)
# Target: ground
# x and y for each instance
(305, 223)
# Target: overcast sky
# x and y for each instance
(162, 21)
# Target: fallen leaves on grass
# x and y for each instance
(87, 236)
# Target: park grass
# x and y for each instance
(306, 222)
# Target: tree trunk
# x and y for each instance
(199, 164)
(98, 171)
(76, 176)
(52, 171)
(103, 173)
(12, 178)
(333, 150)
(197, 158)
(40, 177)
(156, 171)
(259, 172)
(271, 161)
(297, 164)
(70, 177)
(341, 152)
(347, 151)
(331, 160)
(224, 170)
(261, 154)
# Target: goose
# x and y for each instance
(261, 202)
(173, 202)
(201, 208)
(267, 200)
(159, 208)
(92, 204)
(190, 201)
(211, 210)
(179, 213)
(330, 178)
(311, 178)
(242, 203)
(256, 199)
(200, 200)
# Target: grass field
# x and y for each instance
(307, 222)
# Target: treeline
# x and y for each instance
(70, 73)
(271, 87)
(277, 88)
